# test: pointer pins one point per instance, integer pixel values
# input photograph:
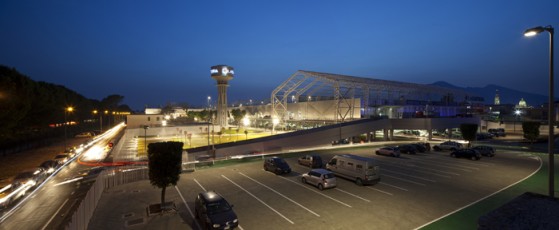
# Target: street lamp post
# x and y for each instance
(66, 110)
(551, 103)
(146, 127)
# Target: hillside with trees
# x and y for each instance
(34, 110)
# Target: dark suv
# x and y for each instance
(214, 212)
(276, 165)
(409, 149)
(312, 161)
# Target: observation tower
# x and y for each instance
(222, 74)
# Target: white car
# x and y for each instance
(321, 178)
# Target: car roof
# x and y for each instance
(211, 196)
(321, 171)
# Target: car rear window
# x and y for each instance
(328, 175)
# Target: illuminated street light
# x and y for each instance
(66, 110)
(246, 121)
(551, 104)
(275, 122)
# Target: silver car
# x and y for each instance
(320, 178)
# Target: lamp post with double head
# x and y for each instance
(551, 103)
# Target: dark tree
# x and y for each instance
(164, 161)
(469, 132)
(531, 130)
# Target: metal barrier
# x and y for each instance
(105, 180)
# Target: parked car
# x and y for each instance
(343, 141)
(484, 136)
(419, 147)
(466, 153)
(409, 149)
(31, 177)
(321, 178)
(448, 145)
(500, 132)
(485, 150)
(388, 151)
(62, 158)
(313, 161)
(214, 212)
(276, 165)
(49, 166)
(11, 193)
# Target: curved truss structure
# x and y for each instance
(343, 89)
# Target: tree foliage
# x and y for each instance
(29, 107)
(531, 130)
(164, 161)
(238, 114)
(469, 132)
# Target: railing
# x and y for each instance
(105, 180)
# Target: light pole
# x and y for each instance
(66, 110)
(551, 103)
(100, 120)
(146, 127)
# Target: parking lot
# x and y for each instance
(414, 190)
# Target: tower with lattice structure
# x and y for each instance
(222, 74)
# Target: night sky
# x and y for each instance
(154, 53)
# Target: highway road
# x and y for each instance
(51, 203)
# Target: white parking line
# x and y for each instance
(188, 208)
(419, 168)
(306, 187)
(292, 201)
(394, 186)
(397, 178)
(451, 165)
(351, 194)
(416, 177)
(258, 199)
(439, 164)
(200, 185)
(378, 190)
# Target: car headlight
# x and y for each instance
(215, 225)
(235, 220)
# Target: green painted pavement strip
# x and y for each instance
(467, 218)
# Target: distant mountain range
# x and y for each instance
(506, 95)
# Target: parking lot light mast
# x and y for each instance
(551, 103)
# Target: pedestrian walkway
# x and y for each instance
(125, 207)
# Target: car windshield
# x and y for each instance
(279, 161)
(218, 206)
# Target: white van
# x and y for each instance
(362, 170)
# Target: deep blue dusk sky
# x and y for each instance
(153, 53)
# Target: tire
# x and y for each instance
(320, 187)
(437, 148)
(453, 155)
(377, 153)
(359, 182)
(304, 180)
